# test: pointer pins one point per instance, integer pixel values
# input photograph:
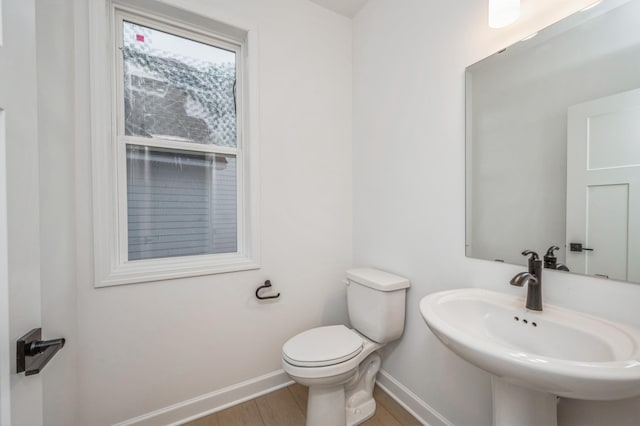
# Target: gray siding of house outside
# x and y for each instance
(180, 204)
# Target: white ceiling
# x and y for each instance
(348, 8)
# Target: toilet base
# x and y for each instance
(344, 404)
(325, 406)
(360, 404)
(361, 414)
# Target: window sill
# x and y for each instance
(173, 268)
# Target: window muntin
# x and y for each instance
(178, 127)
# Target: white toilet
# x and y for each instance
(339, 365)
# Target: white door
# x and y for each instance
(20, 396)
(603, 186)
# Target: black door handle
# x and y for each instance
(578, 247)
(32, 354)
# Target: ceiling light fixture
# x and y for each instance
(503, 12)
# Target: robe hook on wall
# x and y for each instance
(267, 284)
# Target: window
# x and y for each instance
(177, 122)
(182, 176)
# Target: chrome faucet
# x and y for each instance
(533, 279)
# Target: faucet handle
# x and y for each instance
(550, 251)
(533, 254)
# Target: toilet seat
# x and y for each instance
(322, 346)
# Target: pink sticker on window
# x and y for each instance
(140, 37)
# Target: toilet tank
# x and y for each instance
(376, 303)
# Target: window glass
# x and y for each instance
(180, 203)
(177, 88)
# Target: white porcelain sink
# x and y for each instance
(554, 352)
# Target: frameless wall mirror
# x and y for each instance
(553, 145)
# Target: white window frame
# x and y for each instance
(111, 263)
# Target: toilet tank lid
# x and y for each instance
(377, 280)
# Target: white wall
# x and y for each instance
(139, 348)
(408, 152)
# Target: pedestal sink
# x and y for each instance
(535, 356)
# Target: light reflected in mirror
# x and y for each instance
(553, 145)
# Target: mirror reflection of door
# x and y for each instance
(603, 186)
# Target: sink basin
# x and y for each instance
(536, 354)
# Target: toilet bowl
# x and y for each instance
(329, 360)
(338, 364)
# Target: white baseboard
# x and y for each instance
(410, 401)
(203, 405)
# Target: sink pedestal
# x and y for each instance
(516, 405)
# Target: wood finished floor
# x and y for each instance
(288, 407)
